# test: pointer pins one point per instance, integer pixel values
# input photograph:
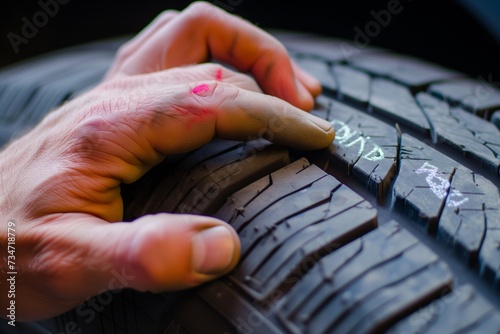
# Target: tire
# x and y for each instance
(394, 228)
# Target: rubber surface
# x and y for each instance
(394, 228)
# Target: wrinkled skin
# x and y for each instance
(60, 182)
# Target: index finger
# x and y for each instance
(204, 31)
(198, 112)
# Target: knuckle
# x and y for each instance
(202, 11)
(151, 256)
(215, 70)
(212, 94)
(206, 88)
(147, 238)
(89, 135)
(166, 15)
(200, 8)
(123, 51)
(213, 67)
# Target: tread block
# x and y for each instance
(295, 229)
(14, 98)
(397, 103)
(363, 286)
(464, 221)
(253, 199)
(137, 205)
(444, 196)
(17, 89)
(320, 70)
(327, 48)
(280, 212)
(43, 68)
(211, 192)
(489, 255)
(462, 310)
(28, 92)
(243, 314)
(473, 136)
(423, 182)
(495, 118)
(53, 93)
(406, 70)
(180, 320)
(283, 233)
(353, 85)
(476, 96)
(363, 147)
(201, 187)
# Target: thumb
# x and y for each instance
(170, 252)
(153, 253)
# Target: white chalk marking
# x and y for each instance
(440, 185)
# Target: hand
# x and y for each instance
(60, 183)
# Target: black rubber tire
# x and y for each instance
(394, 228)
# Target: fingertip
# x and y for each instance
(315, 134)
(324, 125)
(312, 84)
(322, 141)
(306, 100)
(330, 136)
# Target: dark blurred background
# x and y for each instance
(459, 34)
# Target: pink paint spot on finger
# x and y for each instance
(198, 90)
(218, 75)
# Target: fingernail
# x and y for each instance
(213, 250)
(321, 123)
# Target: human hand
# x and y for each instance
(61, 181)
